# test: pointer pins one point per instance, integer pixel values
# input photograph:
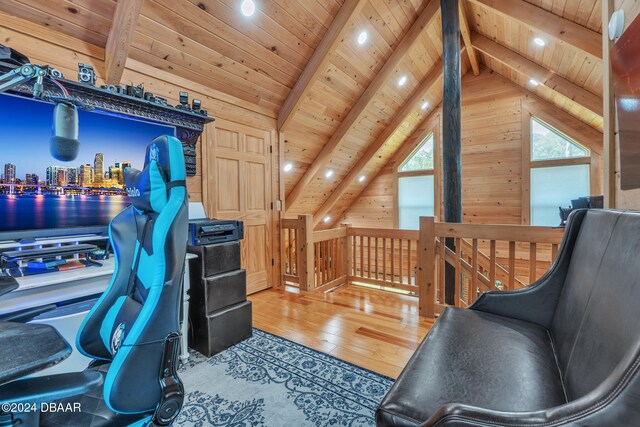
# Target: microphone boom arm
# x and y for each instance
(22, 74)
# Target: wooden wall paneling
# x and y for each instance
(531, 70)
(65, 17)
(116, 51)
(389, 67)
(319, 60)
(493, 126)
(466, 38)
(550, 24)
(414, 103)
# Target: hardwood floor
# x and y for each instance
(373, 329)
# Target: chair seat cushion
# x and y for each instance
(478, 359)
(94, 412)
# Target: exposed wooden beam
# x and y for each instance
(417, 98)
(417, 136)
(543, 21)
(424, 20)
(116, 51)
(466, 38)
(318, 61)
(536, 72)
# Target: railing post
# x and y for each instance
(305, 250)
(426, 266)
(346, 253)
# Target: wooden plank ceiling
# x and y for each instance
(339, 104)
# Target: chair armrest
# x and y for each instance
(49, 388)
(24, 316)
(537, 302)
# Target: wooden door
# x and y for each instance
(237, 174)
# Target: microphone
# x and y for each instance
(64, 144)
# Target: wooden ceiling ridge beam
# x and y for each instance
(557, 27)
(318, 61)
(465, 31)
(542, 75)
(413, 104)
(424, 20)
(123, 26)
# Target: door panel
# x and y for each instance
(239, 188)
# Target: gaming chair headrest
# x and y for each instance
(148, 189)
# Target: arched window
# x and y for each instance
(560, 172)
(416, 184)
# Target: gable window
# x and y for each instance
(560, 172)
(416, 185)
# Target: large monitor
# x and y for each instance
(41, 196)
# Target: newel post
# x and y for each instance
(426, 266)
(306, 255)
(347, 251)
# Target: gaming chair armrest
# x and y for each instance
(49, 388)
(7, 284)
(24, 316)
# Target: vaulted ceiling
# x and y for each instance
(339, 104)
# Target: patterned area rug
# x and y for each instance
(270, 381)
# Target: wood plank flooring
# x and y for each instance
(370, 328)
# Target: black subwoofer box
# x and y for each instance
(215, 259)
(221, 329)
(222, 290)
(219, 313)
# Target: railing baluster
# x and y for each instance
(400, 263)
(409, 275)
(492, 263)
(393, 256)
(376, 260)
(353, 255)
(474, 272)
(532, 262)
(458, 272)
(554, 252)
(384, 259)
(512, 264)
(361, 256)
(369, 257)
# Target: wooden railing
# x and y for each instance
(383, 257)
(482, 258)
(313, 260)
(478, 257)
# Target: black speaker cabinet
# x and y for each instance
(220, 330)
(213, 293)
(215, 259)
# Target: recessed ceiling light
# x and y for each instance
(329, 173)
(247, 7)
(402, 80)
(362, 178)
(288, 167)
(327, 218)
(425, 105)
(362, 37)
(533, 82)
(539, 41)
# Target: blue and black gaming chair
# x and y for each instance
(132, 332)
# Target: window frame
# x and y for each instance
(528, 164)
(433, 129)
